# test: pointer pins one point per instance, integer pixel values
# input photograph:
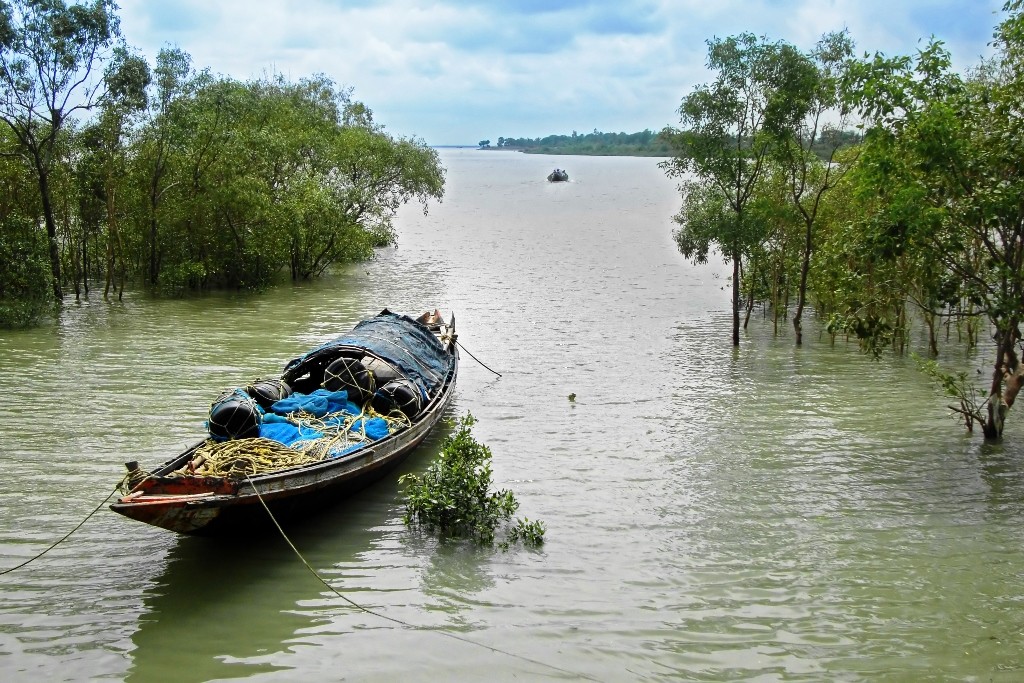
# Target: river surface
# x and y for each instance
(771, 514)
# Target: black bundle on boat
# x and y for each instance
(266, 392)
(400, 395)
(349, 374)
(234, 415)
(405, 344)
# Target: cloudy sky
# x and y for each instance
(459, 71)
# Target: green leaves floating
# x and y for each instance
(454, 497)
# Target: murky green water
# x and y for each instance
(769, 515)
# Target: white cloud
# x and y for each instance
(457, 72)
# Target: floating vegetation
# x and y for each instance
(454, 497)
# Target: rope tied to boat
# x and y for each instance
(400, 622)
(476, 359)
(66, 536)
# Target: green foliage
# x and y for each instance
(943, 169)
(530, 533)
(50, 52)
(269, 176)
(25, 285)
(644, 143)
(729, 126)
(454, 495)
(185, 181)
(704, 220)
(24, 282)
(873, 333)
(970, 408)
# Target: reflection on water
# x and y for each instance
(209, 595)
(770, 513)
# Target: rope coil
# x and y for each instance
(257, 455)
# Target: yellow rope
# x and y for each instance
(256, 456)
(440, 631)
(239, 457)
(68, 534)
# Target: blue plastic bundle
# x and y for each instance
(281, 430)
(321, 402)
(376, 427)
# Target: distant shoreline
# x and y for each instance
(624, 152)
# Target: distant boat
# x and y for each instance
(558, 176)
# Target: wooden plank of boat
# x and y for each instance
(144, 498)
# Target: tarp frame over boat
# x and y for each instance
(398, 339)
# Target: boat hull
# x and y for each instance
(210, 507)
(299, 496)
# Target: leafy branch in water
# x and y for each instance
(454, 495)
(873, 332)
(956, 386)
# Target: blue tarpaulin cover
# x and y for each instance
(335, 404)
(279, 429)
(321, 402)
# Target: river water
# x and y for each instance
(766, 514)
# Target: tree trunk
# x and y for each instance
(801, 295)
(154, 224)
(51, 233)
(736, 298)
(1007, 380)
(112, 236)
(933, 342)
(750, 301)
(77, 251)
(153, 268)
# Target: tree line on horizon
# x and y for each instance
(644, 143)
(171, 178)
(914, 215)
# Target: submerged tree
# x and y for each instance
(454, 496)
(182, 180)
(235, 182)
(173, 82)
(728, 128)
(50, 52)
(25, 283)
(808, 149)
(104, 162)
(355, 185)
(963, 141)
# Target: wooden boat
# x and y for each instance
(200, 492)
(558, 176)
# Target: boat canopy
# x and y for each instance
(398, 339)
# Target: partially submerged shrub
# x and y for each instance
(26, 292)
(453, 496)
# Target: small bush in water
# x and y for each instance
(454, 498)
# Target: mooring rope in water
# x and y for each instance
(406, 624)
(475, 358)
(68, 534)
